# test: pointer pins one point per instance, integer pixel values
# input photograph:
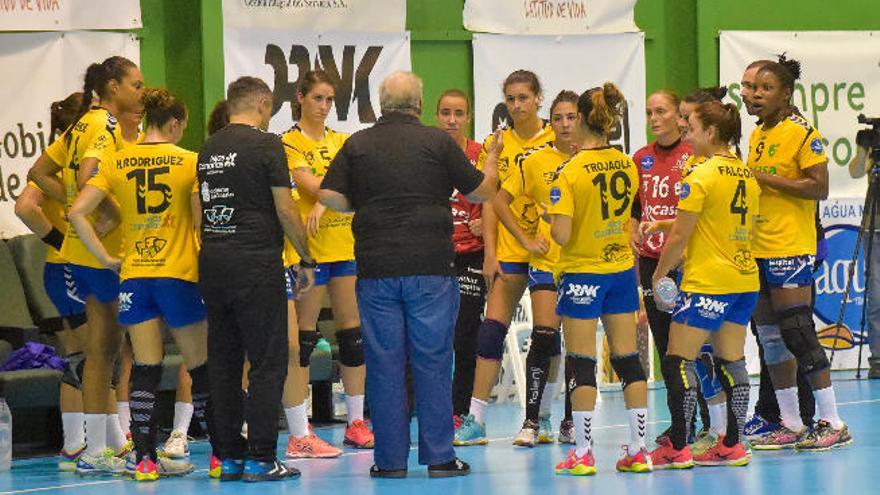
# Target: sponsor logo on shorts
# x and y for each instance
(581, 293)
(125, 301)
(709, 308)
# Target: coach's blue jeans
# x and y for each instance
(409, 320)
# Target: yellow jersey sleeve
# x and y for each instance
(561, 197)
(693, 193)
(57, 151)
(812, 151)
(514, 186)
(101, 181)
(104, 142)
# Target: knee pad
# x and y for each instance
(543, 344)
(704, 367)
(557, 344)
(73, 371)
(76, 321)
(351, 347)
(307, 343)
(678, 372)
(775, 350)
(733, 373)
(799, 334)
(581, 371)
(490, 340)
(628, 368)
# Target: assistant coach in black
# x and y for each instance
(397, 177)
(244, 186)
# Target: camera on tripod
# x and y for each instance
(867, 144)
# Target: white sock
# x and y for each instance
(96, 434)
(789, 408)
(183, 413)
(478, 409)
(638, 424)
(123, 410)
(115, 437)
(298, 419)
(826, 403)
(355, 406)
(74, 426)
(583, 431)
(718, 418)
(550, 392)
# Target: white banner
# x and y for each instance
(69, 15)
(594, 59)
(48, 67)
(357, 61)
(840, 79)
(317, 15)
(549, 16)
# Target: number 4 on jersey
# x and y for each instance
(738, 203)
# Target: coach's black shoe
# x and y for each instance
(267, 471)
(455, 467)
(377, 472)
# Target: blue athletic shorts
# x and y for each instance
(289, 281)
(709, 311)
(786, 273)
(59, 284)
(325, 271)
(541, 280)
(514, 267)
(102, 283)
(587, 296)
(177, 301)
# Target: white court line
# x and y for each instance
(348, 454)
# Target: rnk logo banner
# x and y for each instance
(356, 61)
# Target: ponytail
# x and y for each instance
(601, 108)
(63, 113)
(724, 117)
(96, 79)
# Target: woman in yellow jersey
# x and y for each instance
(46, 218)
(590, 207)
(716, 211)
(788, 157)
(310, 147)
(506, 261)
(93, 138)
(538, 171)
(155, 185)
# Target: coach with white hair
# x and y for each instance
(397, 177)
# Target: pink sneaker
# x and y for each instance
(358, 435)
(310, 446)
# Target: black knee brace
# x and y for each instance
(799, 334)
(73, 371)
(628, 369)
(351, 347)
(490, 340)
(76, 321)
(557, 344)
(308, 340)
(581, 370)
(543, 343)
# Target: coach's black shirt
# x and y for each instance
(399, 176)
(242, 237)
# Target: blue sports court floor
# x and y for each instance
(503, 469)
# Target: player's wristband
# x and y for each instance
(308, 264)
(54, 238)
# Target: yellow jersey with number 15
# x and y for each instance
(538, 171)
(96, 135)
(510, 164)
(153, 184)
(596, 188)
(724, 193)
(786, 225)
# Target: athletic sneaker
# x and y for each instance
(67, 461)
(545, 430)
(667, 457)
(470, 432)
(310, 446)
(231, 470)
(106, 464)
(528, 435)
(457, 420)
(705, 440)
(126, 449)
(577, 466)
(566, 432)
(640, 462)
(824, 437)
(778, 439)
(177, 445)
(722, 455)
(757, 427)
(215, 468)
(358, 435)
(267, 471)
(148, 470)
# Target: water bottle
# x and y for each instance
(5, 436)
(667, 292)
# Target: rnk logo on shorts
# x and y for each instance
(581, 293)
(709, 308)
(125, 301)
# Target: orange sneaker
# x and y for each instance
(310, 446)
(215, 468)
(640, 462)
(358, 435)
(667, 457)
(722, 455)
(584, 465)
